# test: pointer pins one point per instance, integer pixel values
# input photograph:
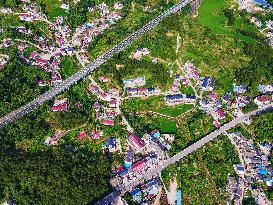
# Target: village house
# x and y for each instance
(118, 5)
(60, 105)
(56, 78)
(129, 159)
(143, 91)
(263, 100)
(53, 139)
(226, 97)
(137, 195)
(41, 83)
(208, 84)
(242, 101)
(135, 82)
(192, 71)
(240, 170)
(103, 79)
(29, 16)
(97, 134)
(239, 88)
(65, 5)
(136, 142)
(266, 88)
(112, 144)
(221, 114)
(3, 62)
(81, 135)
(5, 10)
(139, 53)
(108, 122)
(179, 98)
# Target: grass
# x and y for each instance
(56, 11)
(69, 66)
(176, 110)
(167, 126)
(211, 16)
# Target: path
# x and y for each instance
(36, 46)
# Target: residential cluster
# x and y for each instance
(51, 48)
(142, 155)
(256, 167)
(145, 193)
(106, 114)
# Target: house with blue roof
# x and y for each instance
(137, 195)
(129, 159)
(266, 88)
(226, 97)
(155, 134)
(239, 88)
(179, 99)
(179, 197)
(208, 84)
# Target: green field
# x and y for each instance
(167, 126)
(69, 66)
(175, 111)
(56, 11)
(211, 16)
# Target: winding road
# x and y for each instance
(59, 88)
(124, 188)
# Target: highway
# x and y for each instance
(122, 189)
(59, 88)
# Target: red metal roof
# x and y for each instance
(137, 167)
(62, 107)
(82, 135)
(264, 98)
(221, 113)
(108, 122)
(137, 141)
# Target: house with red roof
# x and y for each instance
(217, 123)
(108, 122)
(56, 77)
(41, 83)
(81, 135)
(41, 62)
(263, 99)
(221, 114)
(97, 134)
(138, 167)
(136, 141)
(61, 107)
(113, 102)
(34, 55)
(104, 79)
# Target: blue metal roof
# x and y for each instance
(179, 197)
(111, 142)
(177, 76)
(205, 82)
(150, 89)
(173, 97)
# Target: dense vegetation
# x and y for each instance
(66, 174)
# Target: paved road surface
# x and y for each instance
(122, 189)
(59, 88)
